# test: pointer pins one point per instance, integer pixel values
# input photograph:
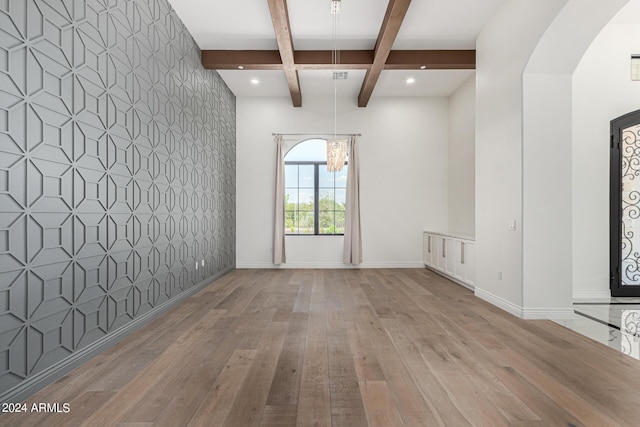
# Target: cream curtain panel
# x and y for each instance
(279, 255)
(352, 234)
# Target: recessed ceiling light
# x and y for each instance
(423, 67)
(240, 67)
(255, 81)
(411, 81)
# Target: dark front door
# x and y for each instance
(625, 205)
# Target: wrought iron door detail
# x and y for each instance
(630, 333)
(624, 237)
(630, 244)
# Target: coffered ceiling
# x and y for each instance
(424, 28)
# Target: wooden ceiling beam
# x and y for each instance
(396, 11)
(349, 59)
(270, 60)
(321, 60)
(431, 59)
(280, 18)
(374, 61)
(241, 60)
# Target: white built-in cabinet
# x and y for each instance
(451, 255)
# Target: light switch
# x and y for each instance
(511, 225)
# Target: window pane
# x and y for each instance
(290, 222)
(339, 222)
(326, 199)
(326, 222)
(306, 220)
(306, 200)
(305, 175)
(314, 150)
(290, 198)
(341, 199)
(325, 177)
(304, 197)
(341, 177)
(290, 175)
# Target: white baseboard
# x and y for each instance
(499, 302)
(591, 294)
(525, 312)
(328, 265)
(547, 313)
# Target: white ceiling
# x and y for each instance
(391, 83)
(429, 24)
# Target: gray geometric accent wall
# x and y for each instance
(117, 173)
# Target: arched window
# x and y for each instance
(315, 199)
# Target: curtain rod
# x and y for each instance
(317, 134)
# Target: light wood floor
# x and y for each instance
(345, 348)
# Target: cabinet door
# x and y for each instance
(433, 250)
(460, 261)
(452, 250)
(427, 249)
(470, 263)
(441, 252)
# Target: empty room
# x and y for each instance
(319, 213)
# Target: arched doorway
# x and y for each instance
(625, 205)
(549, 248)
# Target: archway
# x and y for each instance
(547, 151)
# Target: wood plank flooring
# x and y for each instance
(345, 348)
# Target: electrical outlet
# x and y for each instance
(511, 225)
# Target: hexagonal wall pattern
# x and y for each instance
(117, 172)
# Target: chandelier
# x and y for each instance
(336, 148)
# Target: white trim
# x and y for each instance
(398, 264)
(591, 294)
(499, 302)
(329, 265)
(547, 313)
(528, 313)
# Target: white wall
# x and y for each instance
(548, 161)
(526, 57)
(503, 49)
(602, 91)
(462, 157)
(403, 157)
